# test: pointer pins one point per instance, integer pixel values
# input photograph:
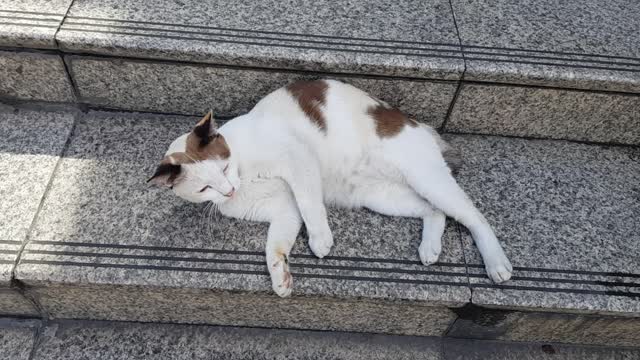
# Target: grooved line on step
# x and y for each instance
(266, 44)
(10, 242)
(490, 57)
(32, 12)
(566, 271)
(257, 37)
(549, 52)
(246, 262)
(28, 25)
(231, 252)
(453, 45)
(26, 18)
(561, 290)
(330, 257)
(556, 64)
(245, 272)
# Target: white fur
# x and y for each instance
(284, 170)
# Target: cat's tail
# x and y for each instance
(451, 155)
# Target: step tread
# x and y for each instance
(320, 36)
(31, 23)
(567, 216)
(577, 44)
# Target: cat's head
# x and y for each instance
(198, 166)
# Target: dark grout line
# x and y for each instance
(27, 238)
(38, 337)
(65, 65)
(454, 100)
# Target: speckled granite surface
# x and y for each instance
(13, 303)
(493, 350)
(27, 160)
(31, 23)
(189, 89)
(17, 338)
(403, 38)
(97, 340)
(491, 324)
(584, 44)
(34, 76)
(112, 340)
(566, 214)
(546, 113)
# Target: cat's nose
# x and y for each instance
(230, 193)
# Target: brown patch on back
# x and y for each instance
(310, 96)
(389, 121)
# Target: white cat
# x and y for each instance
(321, 142)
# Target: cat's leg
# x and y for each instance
(302, 172)
(270, 200)
(425, 171)
(280, 239)
(399, 200)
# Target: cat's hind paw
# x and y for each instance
(281, 279)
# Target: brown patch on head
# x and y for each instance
(389, 121)
(310, 96)
(204, 142)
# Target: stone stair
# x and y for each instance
(94, 91)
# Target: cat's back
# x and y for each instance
(323, 112)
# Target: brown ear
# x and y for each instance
(205, 129)
(165, 175)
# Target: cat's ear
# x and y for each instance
(206, 128)
(166, 175)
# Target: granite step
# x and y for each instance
(541, 69)
(121, 340)
(90, 240)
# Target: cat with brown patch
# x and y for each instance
(317, 143)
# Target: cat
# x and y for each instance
(321, 142)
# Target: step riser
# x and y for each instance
(194, 89)
(255, 310)
(191, 306)
(492, 324)
(34, 76)
(13, 303)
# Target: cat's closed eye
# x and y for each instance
(226, 167)
(204, 188)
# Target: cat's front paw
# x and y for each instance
(499, 271)
(321, 244)
(281, 279)
(429, 251)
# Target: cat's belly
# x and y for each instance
(343, 185)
